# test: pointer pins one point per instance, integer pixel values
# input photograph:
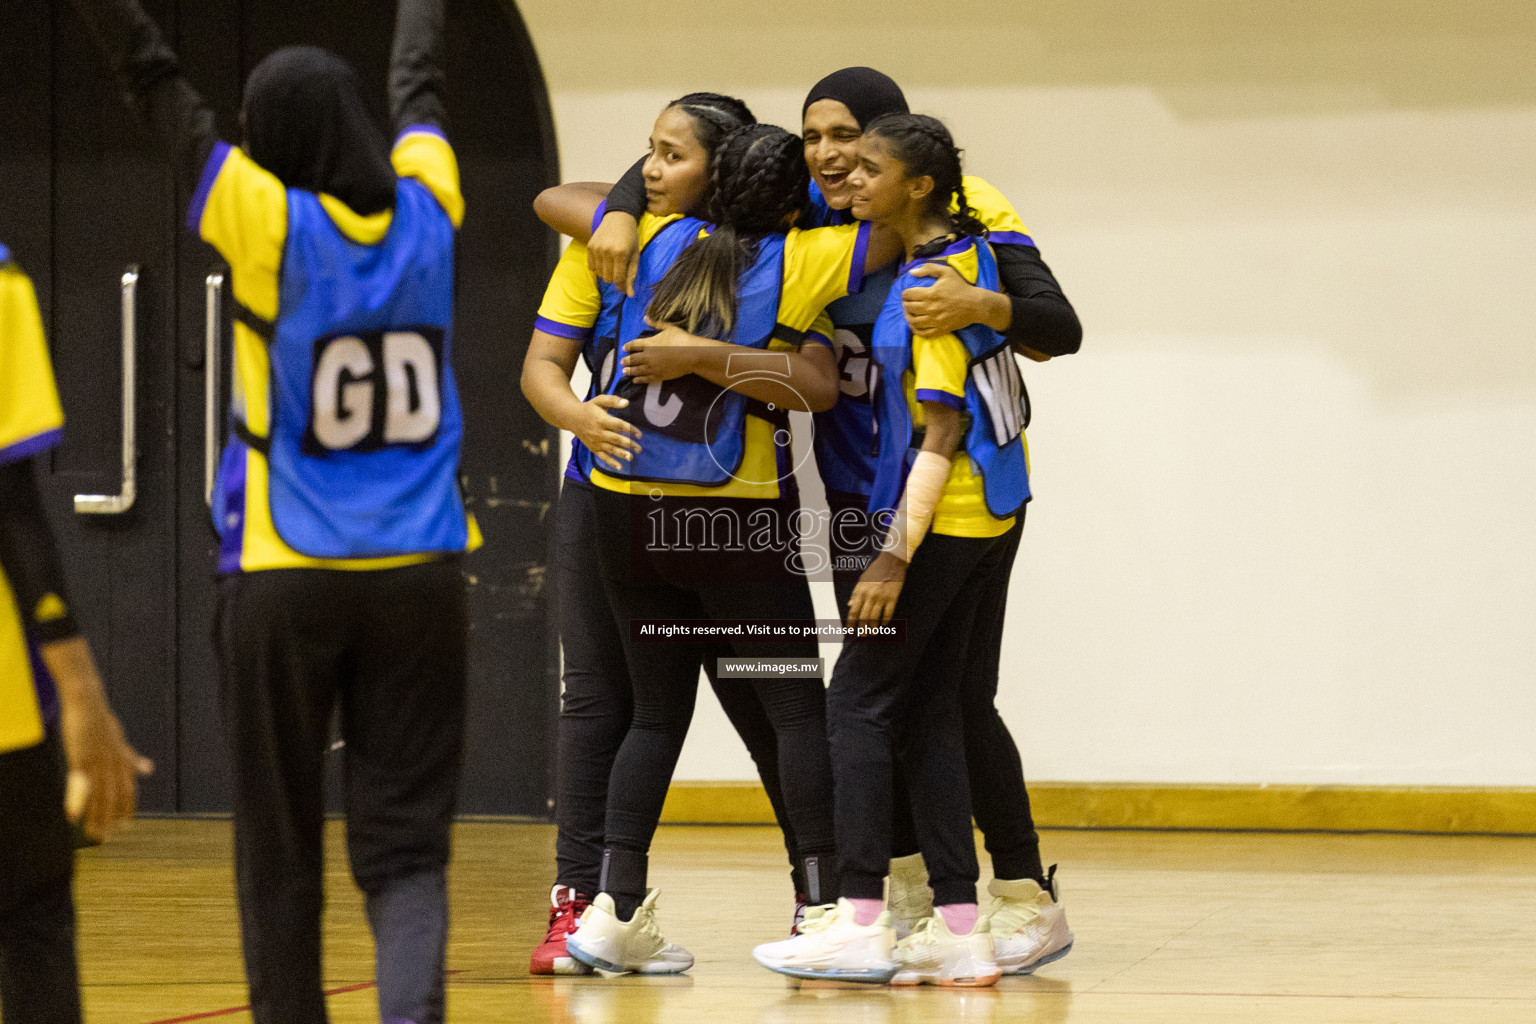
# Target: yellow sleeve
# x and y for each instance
(572, 300)
(650, 224)
(994, 210)
(241, 209)
(423, 153)
(31, 418)
(821, 331)
(821, 265)
(939, 367)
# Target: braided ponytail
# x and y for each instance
(924, 146)
(758, 184)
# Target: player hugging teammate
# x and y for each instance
(923, 443)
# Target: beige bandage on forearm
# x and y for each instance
(925, 486)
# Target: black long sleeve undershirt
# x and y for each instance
(1043, 319)
(150, 75)
(30, 557)
(416, 66)
(628, 193)
(176, 114)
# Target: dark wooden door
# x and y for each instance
(84, 197)
(92, 214)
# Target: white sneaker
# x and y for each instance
(908, 896)
(1029, 924)
(626, 947)
(832, 946)
(934, 955)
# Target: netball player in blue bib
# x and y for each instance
(951, 476)
(337, 500)
(1039, 322)
(714, 448)
(579, 319)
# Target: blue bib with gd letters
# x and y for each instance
(364, 446)
(994, 402)
(694, 430)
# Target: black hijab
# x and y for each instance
(866, 93)
(305, 121)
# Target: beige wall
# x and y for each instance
(1285, 526)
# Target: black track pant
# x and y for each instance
(902, 699)
(645, 583)
(39, 982)
(597, 703)
(389, 646)
(999, 798)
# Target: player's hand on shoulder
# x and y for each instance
(945, 306)
(613, 254)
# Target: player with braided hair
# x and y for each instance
(951, 478)
(715, 450)
(578, 320)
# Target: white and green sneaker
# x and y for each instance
(907, 894)
(1029, 924)
(831, 946)
(626, 947)
(934, 955)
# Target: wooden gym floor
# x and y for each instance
(1171, 927)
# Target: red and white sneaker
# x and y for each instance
(566, 906)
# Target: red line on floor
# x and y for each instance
(209, 1014)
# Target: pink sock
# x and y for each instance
(961, 917)
(865, 911)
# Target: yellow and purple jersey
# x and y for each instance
(243, 211)
(31, 422)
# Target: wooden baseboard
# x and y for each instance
(1437, 809)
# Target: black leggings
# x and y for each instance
(901, 701)
(597, 703)
(642, 583)
(39, 982)
(999, 796)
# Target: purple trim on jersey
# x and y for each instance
(425, 129)
(942, 397)
(954, 249)
(30, 446)
(860, 249)
(42, 682)
(211, 171)
(1010, 238)
(818, 338)
(573, 471)
(232, 530)
(561, 330)
(598, 214)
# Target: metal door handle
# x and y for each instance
(117, 504)
(214, 317)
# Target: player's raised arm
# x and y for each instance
(416, 75)
(150, 75)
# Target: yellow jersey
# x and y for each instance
(31, 421)
(241, 209)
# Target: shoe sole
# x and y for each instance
(862, 977)
(562, 966)
(1047, 959)
(970, 981)
(598, 963)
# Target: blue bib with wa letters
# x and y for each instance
(694, 430)
(364, 446)
(994, 398)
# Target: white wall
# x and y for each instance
(1285, 525)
